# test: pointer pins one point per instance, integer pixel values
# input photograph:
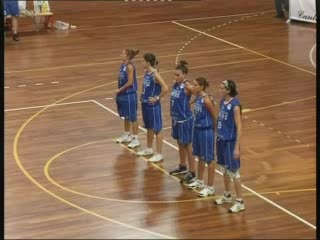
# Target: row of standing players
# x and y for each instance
(194, 131)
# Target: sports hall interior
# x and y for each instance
(66, 178)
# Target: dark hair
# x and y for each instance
(131, 53)
(150, 58)
(202, 82)
(182, 66)
(232, 87)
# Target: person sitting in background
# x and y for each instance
(282, 8)
(11, 8)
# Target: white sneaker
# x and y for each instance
(207, 191)
(237, 207)
(223, 200)
(145, 152)
(196, 184)
(134, 143)
(124, 139)
(156, 158)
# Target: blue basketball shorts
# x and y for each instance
(127, 105)
(152, 117)
(182, 131)
(203, 143)
(225, 156)
(11, 8)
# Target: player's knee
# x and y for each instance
(222, 169)
(233, 174)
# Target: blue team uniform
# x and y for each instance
(203, 134)
(227, 135)
(127, 102)
(151, 112)
(11, 8)
(182, 119)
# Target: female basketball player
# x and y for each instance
(126, 99)
(182, 121)
(154, 88)
(228, 143)
(203, 136)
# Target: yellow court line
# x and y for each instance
(25, 172)
(203, 66)
(245, 187)
(236, 45)
(35, 182)
(50, 179)
(115, 60)
(276, 105)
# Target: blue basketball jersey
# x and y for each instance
(123, 79)
(180, 109)
(150, 88)
(202, 117)
(227, 129)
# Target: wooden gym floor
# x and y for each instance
(66, 178)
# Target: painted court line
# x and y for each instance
(109, 61)
(43, 106)
(236, 45)
(141, 128)
(245, 187)
(203, 66)
(54, 158)
(310, 56)
(36, 183)
(276, 105)
(180, 20)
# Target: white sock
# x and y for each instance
(127, 133)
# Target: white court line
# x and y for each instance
(143, 129)
(236, 45)
(180, 20)
(112, 60)
(245, 187)
(276, 105)
(43, 106)
(203, 66)
(310, 56)
(234, 15)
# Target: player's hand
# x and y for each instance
(153, 99)
(236, 154)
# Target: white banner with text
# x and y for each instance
(303, 10)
